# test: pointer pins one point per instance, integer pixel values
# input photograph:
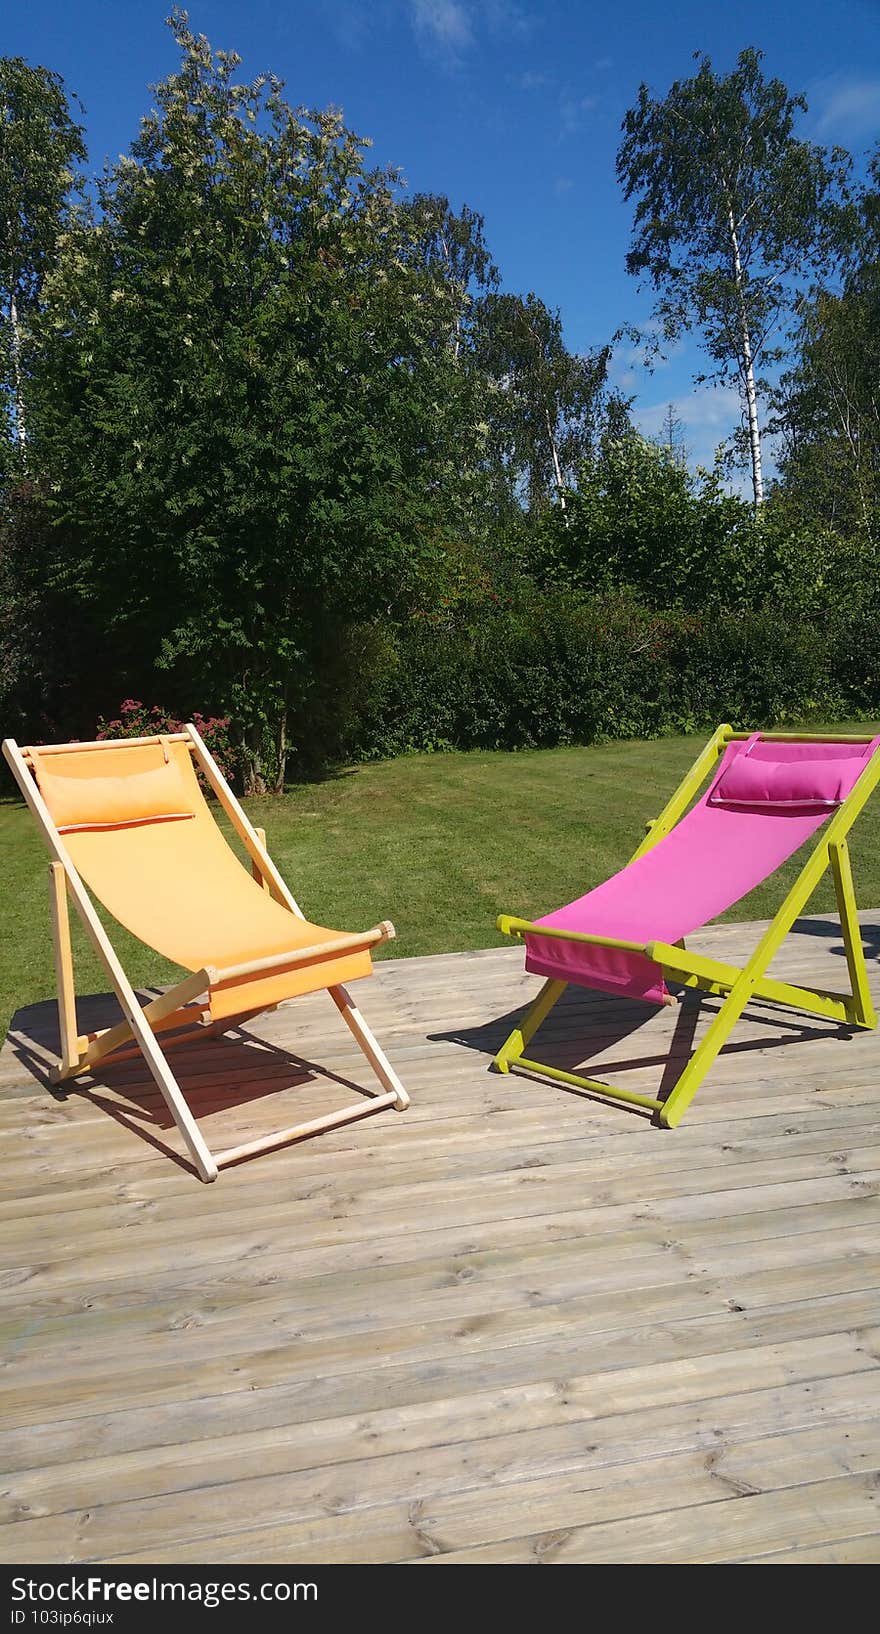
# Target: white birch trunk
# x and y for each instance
(18, 403)
(557, 469)
(456, 342)
(748, 370)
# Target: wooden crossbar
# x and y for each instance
(43, 749)
(164, 1008)
(304, 1131)
(317, 950)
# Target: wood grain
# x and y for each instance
(516, 1325)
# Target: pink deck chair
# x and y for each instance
(768, 794)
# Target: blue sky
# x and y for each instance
(512, 106)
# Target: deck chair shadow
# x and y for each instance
(768, 794)
(125, 821)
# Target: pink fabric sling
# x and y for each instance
(766, 800)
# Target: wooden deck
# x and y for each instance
(512, 1324)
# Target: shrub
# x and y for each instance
(814, 573)
(138, 720)
(553, 667)
(752, 669)
(856, 661)
(642, 522)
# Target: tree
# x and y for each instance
(640, 521)
(672, 438)
(828, 404)
(543, 399)
(244, 409)
(457, 245)
(40, 147)
(734, 216)
(451, 247)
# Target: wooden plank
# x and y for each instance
(514, 1251)
(470, 1280)
(575, 1497)
(860, 1551)
(515, 1323)
(147, 1362)
(830, 1204)
(262, 1390)
(208, 1509)
(802, 1162)
(528, 1195)
(709, 1534)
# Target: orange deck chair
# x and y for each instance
(127, 819)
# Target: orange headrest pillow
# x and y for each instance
(111, 802)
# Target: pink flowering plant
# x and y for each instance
(140, 720)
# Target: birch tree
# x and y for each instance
(735, 216)
(456, 244)
(543, 399)
(40, 148)
(828, 404)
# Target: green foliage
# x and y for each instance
(247, 428)
(734, 214)
(555, 667)
(813, 573)
(828, 409)
(639, 519)
(48, 673)
(40, 148)
(293, 460)
(543, 402)
(857, 664)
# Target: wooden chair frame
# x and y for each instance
(179, 1007)
(737, 986)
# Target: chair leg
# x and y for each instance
(96, 1047)
(67, 1025)
(537, 1012)
(679, 1099)
(743, 989)
(863, 1012)
(373, 1051)
(172, 1095)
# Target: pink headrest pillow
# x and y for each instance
(779, 783)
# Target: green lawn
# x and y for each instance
(438, 843)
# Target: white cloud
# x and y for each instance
(508, 17)
(572, 110)
(562, 184)
(444, 29)
(533, 80)
(443, 23)
(707, 406)
(709, 415)
(847, 106)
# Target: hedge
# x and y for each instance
(556, 668)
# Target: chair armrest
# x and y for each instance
(510, 926)
(302, 955)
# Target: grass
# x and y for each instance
(439, 843)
